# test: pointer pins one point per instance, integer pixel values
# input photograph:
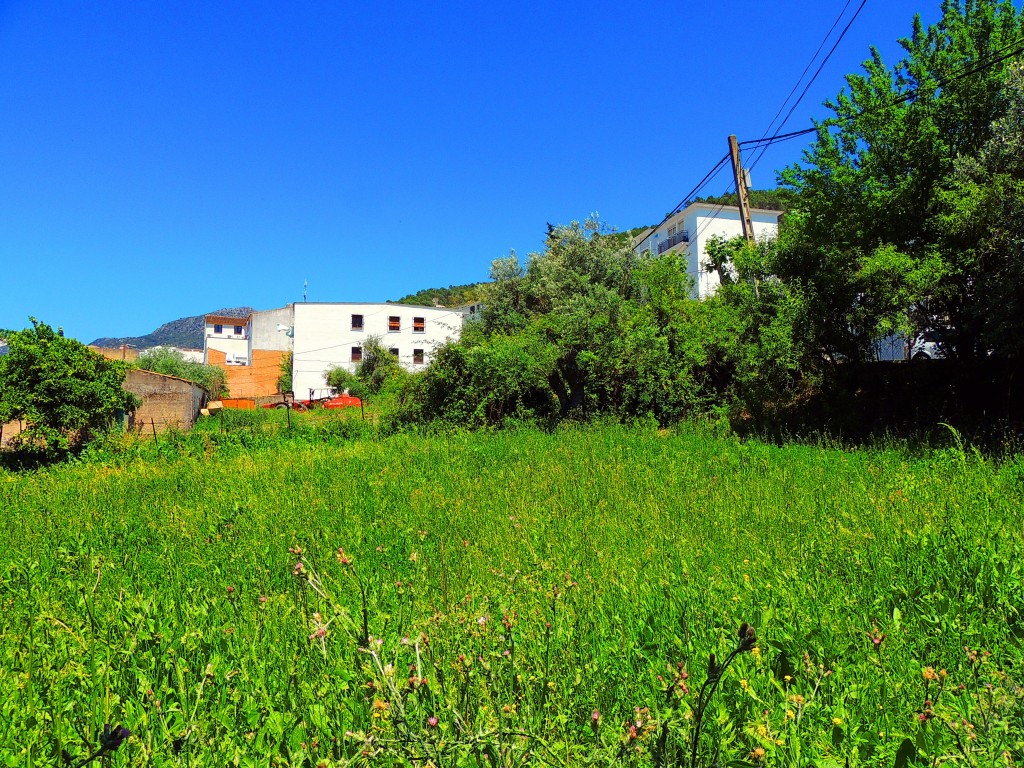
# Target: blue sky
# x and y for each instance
(165, 159)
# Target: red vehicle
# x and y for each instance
(329, 401)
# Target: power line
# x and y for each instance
(1003, 52)
(815, 75)
(802, 74)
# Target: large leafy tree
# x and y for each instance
(873, 245)
(64, 392)
(584, 327)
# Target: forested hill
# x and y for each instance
(452, 296)
(185, 332)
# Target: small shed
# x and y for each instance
(167, 401)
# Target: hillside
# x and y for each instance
(452, 296)
(185, 332)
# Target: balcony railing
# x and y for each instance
(679, 237)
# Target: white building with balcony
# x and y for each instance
(228, 336)
(689, 231)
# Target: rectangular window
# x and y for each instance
(357, 354)
(238, 330)
(394, 323)
(394, 351)
(357, 322)
(419, 324)
(417, 357)
(218, 328)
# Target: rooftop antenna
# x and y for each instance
(305, 285)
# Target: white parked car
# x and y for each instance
(929, 345)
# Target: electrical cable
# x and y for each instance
(814, 76)
(802, 74)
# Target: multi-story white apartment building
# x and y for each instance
(689, 231)
(332, 335)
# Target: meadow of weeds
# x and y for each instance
(329, 597)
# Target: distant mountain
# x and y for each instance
(185, 332)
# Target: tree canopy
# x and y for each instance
(908, 198)
(64, 392)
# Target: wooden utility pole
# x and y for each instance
(741, 190)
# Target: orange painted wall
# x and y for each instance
(257, 379)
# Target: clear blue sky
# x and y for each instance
(166, 159)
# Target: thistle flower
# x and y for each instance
(111, 738)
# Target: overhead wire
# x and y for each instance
(817, 72)
(1002, 54)
(802, 75)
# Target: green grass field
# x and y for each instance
(514, 598)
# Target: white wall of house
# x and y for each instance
(271, 329)
(325, 337)
(690, 230)
(188, 355)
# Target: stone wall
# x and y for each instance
(167, 402)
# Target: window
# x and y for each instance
(357, 354)
(394, 323)
(238, 330)
(419, 324)
(357, 322)
(417, 357)
(394, 351)
(218, 328)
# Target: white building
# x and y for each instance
(332, 335)
(689, 231)
(188, 355)
(229, 335)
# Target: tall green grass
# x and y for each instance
(543, 591)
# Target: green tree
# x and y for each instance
(869, 246)
(284, 380)
(171, 362)
(984, 208)
(585, 327)
(64, 392)
(376, 370)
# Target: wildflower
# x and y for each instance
(432, 721)
(744, 685)
(595, 716)
(929, 674)
(482, 620)
(299, 569)
(757, 755)
(231, 590)
(263, 598)
(342, 557)
(837, 721)
(111, 738)
(413, 557)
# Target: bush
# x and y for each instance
(65, 393)
(171, 362)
